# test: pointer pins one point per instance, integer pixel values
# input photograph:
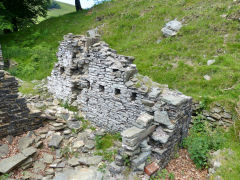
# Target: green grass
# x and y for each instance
(132, 28)
(28, 88)
(65, 9)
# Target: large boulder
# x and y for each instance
(172, 28)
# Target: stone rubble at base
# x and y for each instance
(109, 92)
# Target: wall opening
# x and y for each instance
(117, 91)
(133, 96)
(62, 69)
(115, 70)
(101, 88)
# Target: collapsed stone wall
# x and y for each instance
(109, 92)
(15, 117)
(106, 86)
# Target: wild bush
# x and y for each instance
(202, 140)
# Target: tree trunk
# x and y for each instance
(78, 5)
(14, 22)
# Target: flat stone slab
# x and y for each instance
(55, 141)
(174, 99)
(163, 118)
(6, 165)
(144, 120)
(132, 132)
(4, 150)
(25, 142)
(80, 174)
(140, 159)
(94, 160)
(47, 158)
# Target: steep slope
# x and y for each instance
(133, 27)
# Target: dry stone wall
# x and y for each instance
(106, 86)
(15, 117)
(109, 92)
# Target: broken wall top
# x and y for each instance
(106, 86)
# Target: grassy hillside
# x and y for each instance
(132, 27)
(65, 9)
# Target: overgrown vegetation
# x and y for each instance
(85, 123)
(106, 141)
(28, 88)
(66, 105)
(202, 140)
(108, 155)
(163, 175)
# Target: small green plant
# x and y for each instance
(69, 107)
(75, 131)
(4, 176)
(171, 176)
(66, 152)
(85, 123)
(126, 160)
(202, 140)
(107, 155)
(102, 168)
(106, 141)
(162, 175)
(149, 159)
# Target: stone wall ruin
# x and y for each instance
(15, 117)
(110, 93)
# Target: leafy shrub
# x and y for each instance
(201, 141)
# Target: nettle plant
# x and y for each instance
(202, 140)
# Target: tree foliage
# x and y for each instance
(16, 14)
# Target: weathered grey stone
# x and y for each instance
(27, 164)
(9, 139)
(4, 150)
(38, 166)
(137, 139)
(25, 142)
(74, 125)
(90, 144)
(132, 132)
(210, 62)
(144, 120)
(140, 159)
(115, 169)
(207, 77)
(93, 160)
(30, 175)
(73, 161)
(162, 117)
(160, 135)
(78, 144)
(171, 28)
(6, 165)
(47, 158)
(82, 173)
(55, 141)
